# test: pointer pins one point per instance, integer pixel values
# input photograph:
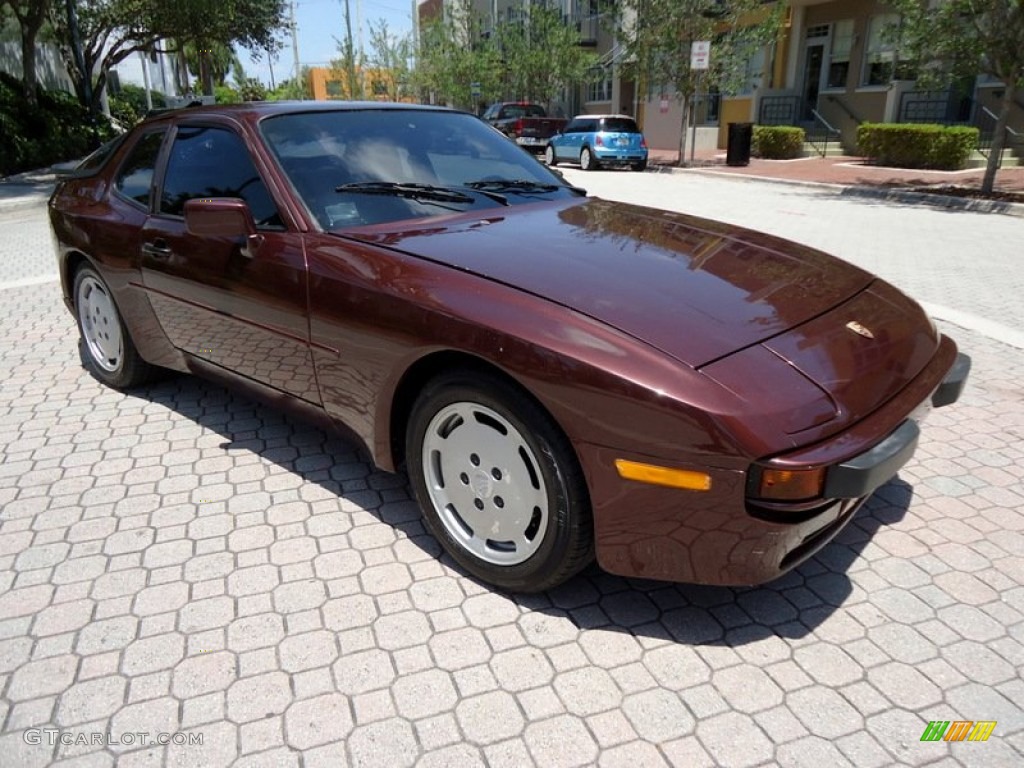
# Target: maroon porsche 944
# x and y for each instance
(561, 377)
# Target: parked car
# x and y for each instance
(599, 140)
(526, 123)
(561, 376)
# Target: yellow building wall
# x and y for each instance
(733, 111)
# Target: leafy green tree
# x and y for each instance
(950, 39)
(389, 56)
(542, 54)
(453, 54)
(656, 37)
(348, 68)
(221, 60)
(112, 30)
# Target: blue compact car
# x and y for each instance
(597, 140)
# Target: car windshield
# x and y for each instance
(619, 125)
(359, 167)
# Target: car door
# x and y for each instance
(562, 142)
(241, 308)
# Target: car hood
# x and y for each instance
(695, 289)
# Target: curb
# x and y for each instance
(899, 195)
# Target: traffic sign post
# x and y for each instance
(700, 59)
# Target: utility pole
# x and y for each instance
(351, 63)
(295, 51)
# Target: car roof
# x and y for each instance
(256, 110)
(596, 117)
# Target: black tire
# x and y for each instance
(549, 156)
(562, 542)
(587, 160)
(123, 370)
(641, 166)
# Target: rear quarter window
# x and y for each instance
(135, 177)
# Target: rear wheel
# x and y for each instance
(105, 347)
(642, 165)
(498, 483)
(587, 161)
(549, 156)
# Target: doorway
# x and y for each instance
(814, 59)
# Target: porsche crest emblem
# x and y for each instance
(857, 328)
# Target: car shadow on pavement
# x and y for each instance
(792, 606)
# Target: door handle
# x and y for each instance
(158, 249)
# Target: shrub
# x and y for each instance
(914, 145)
(57, 129)
(778, 142)
(128, 105)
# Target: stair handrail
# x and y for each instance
(829, 131)
(995, 117)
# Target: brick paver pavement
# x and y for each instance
(182, 560)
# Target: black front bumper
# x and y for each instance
(860, 476)
(951, 387)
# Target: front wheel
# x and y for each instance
(587, 161)
(498, 483)
(105, 347)
(549, 156)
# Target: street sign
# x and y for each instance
(700, 54)
(474, 90)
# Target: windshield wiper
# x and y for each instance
(524, 186)
(415, 191)
(407, 190)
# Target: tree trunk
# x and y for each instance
(687, 98)
(998, 137)
(206, 72)
(28, 65)
(30, 25)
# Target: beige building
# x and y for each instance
(831, 69)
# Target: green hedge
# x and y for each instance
(778, 142)
(914, 145)
(128, 105)
(57, 129)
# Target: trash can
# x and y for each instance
(740, 137)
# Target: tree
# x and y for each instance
(349, 69)
(252, 24)
(221, 60)
(542, 54)
(31, 14)
(389, 56)
(656, 37)
(453, 54)
(112, 30)
(956, 38)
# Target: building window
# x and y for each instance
(839, 56)
(601, 90)
(881, 59)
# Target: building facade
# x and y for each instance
(831, 68)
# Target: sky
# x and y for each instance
(319, 23)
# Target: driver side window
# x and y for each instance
(214, 162)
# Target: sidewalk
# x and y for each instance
(846, 171)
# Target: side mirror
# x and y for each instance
(227, 217)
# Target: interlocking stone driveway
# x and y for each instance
(179, 559)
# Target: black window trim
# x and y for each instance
(157, 167)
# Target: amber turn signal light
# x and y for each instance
(655, 475)
(791, 484)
